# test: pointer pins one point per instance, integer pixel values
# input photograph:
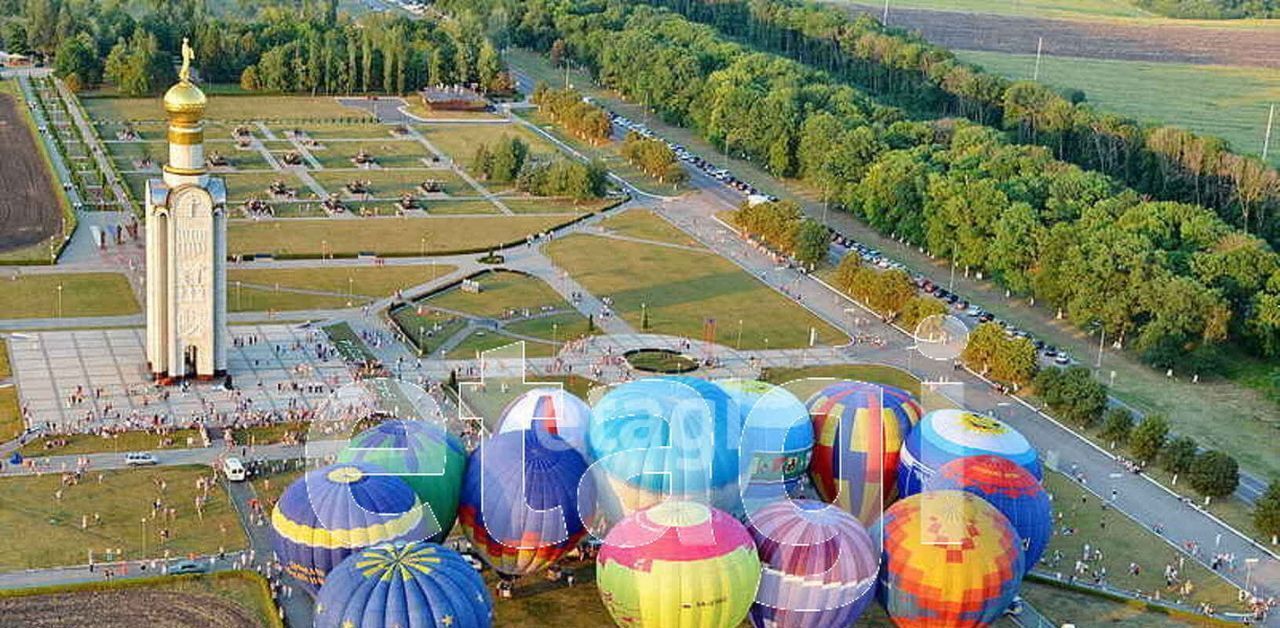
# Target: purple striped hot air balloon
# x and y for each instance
(819, 566)
(859, 428)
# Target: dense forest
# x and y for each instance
(1172, 279)
(284, 46)
(1213, 9)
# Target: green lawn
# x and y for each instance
(348, 343)
(459, 141)
(806, 381)
(556, 327)
(682, 289)
(225, 107)
(388, 152)
(1229, 102)
(384, 236)
(51, 528)
(11, 423)
(428, 330)
(366, 281)
(477, 342)
(122, 442)
(460, 208)
(646, 225)
(82, 294)
(320, 131)
(6, 369)
(501, 292)
(1122, 541)
(391, 183)
(556, 205)
(253, 299)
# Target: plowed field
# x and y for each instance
(28, 203)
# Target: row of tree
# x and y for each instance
(564, 177)
(502, 161)
(1213, 9)
(783, 227)
(653, 157)
(1173, 279)
(890, 293)
(1000, 356)
(569, 109)
(1166, 162)
(284, 47)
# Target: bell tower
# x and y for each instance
(186, 233)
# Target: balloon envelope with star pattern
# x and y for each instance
(404, 585)
(949, 559)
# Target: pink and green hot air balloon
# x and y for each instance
(678, 565)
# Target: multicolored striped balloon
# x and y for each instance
(944, 435)
(678, 565)
(820, 566)
(859, 429)
(950, 559)
(426, 456)
(554, 410)
(1017, 494)
(521, 501)
(775, 446)
(404, 585)
(335, 511)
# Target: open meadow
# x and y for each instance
(66, 295)
(681, 289)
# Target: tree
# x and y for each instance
(249, 80)
(1117, 424)
(1266, 511)
(811, 243)
(1073, 395)
(1149, 437)
(557, 53)
(1215, 474)
(1179, 456)
(79, 56)
(917, 309)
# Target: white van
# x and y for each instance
(234, 469)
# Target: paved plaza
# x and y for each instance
(80, 379)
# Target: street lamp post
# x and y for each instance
(238, 304)
(1248, 573)
(59, 300)
(144, 537)
(1101, 340)
(739, 334)
(555, 333)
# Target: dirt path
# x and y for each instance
(125, 609)
(1134, 41)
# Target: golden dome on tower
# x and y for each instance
(185, 102)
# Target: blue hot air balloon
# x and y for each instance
(820, 566)
(775, 446)
(404, 585)
(332, 512)
(520, 500)
(944, 435)
(675, 436)
(1016, 493)
(554, 410)
(426, 456)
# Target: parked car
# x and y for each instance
(140, 459)
(186, 566)
(1062, 359)
(234, 469)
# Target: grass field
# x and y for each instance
(644, 224)
(428, 330)
(1038, 8)
(391, 183)
(6, 369)
(253, 299)
(555, 205)
(1082, 609)
(51, 527)
(367, 281)
(83, 294)
(682, 289)
(501, 292)
(806, 381)
(1122, 541)
(120, 442)
(226, 108)
(459, 141)
(1229, 102)
(11, 423)
(384, 236)
(480, 341)
(348, 343)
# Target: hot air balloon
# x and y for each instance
(426, 456)
(859, 428)
(675, 436)
(776, 442)
(404, 585)
(950, 559)
(332, 512)
(520, 501)
(944, 435)
(1011, 489)
(555, 410)
(819, 562)
(678, 565)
